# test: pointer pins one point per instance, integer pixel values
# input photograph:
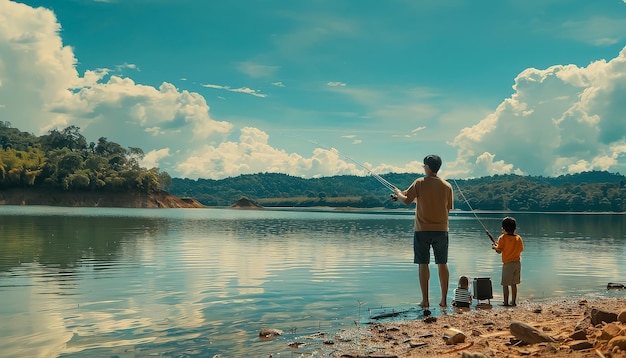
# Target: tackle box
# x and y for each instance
(482, 289)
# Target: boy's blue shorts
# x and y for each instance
(423, 240)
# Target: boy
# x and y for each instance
(510, 246)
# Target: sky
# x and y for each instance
(216, 89)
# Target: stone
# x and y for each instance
(583, 324)
(578, 335)
(472, 355)
(619, 341)
(528, 334)
(580, 345)
(417, 344)
(610, 331)
(269, 333)
(453, 336)
(598, 316)
(622, 316)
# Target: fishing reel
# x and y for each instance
(393, 197)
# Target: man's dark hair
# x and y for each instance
(509, 225)
(433, 161)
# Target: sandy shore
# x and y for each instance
(487, 332)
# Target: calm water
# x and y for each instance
(99, 282)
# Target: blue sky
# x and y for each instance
(214, 89)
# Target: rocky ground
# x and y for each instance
(577, 328)
(562, 328)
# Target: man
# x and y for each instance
(433, 197)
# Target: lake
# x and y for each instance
(109, 282)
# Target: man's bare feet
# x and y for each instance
(443, 304)
(424, 304)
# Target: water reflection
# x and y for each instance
(104, 282)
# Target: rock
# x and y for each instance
(598, 316)
(622, 316)
(580, 345)
(578, 335)
(269, 333)
(472, 355)
(417, 344)
(610, 331)
(583, 324)
(430, 319)
(245, 203)
(453, 336)
(619, 341)
(614, 286)
(528, 334)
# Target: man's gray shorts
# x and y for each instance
(423, 240)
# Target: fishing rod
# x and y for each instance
(380, 179)
(473, 212)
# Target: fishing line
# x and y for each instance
(473, 212)
(380, 179)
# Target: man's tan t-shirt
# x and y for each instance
(433, 196)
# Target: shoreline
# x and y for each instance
(487, 333)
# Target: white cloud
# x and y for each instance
(245, 90)
(152, 158)
(253, 154)
(126, 65)
(563, 119)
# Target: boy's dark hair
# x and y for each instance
(509, 225)
(433, 161)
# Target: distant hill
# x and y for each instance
(596, 191)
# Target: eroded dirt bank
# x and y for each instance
(134, 199)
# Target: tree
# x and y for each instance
(69, 137)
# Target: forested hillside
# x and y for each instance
(596, 191)
(63, 160)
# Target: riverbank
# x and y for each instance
(126, 199)
(566, 328)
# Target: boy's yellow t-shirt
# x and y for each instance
(511, 247)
